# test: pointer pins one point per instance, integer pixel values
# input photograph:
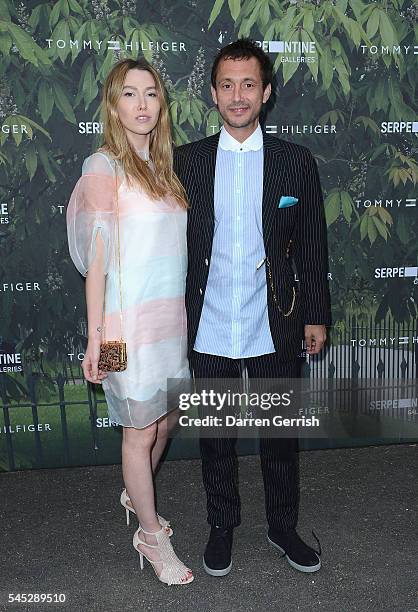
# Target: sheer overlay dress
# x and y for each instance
(153, 253)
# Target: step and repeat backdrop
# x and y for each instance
(346, 76)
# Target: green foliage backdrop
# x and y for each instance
(363, 73)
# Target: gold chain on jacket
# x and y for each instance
(285, 314)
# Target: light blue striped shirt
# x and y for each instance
(234, 321)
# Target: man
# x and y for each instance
(256, 203)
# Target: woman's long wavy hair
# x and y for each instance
(157, 185)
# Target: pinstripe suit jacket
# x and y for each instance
(289, 169)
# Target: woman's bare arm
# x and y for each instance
(95, 287)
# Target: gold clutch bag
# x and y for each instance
(113, 354)
(113, 357)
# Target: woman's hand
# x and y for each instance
(90, 363)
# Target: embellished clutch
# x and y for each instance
(113, 356)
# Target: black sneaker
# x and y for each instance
(217, 557)
(300, 556)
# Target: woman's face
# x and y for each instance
(139, 106)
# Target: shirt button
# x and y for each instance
(237, 244)
(238, 218)
(206, 261)
(238, 190)
(201, 290)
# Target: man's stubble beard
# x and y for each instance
(232, 124)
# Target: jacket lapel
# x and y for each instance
(204, 168)
(274, 175)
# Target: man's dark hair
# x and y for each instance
(244, 48)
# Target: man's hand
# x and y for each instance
(315, 336)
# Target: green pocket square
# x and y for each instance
(287, 201)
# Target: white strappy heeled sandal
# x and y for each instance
(124, 498)
(173, 570)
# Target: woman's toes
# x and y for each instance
(186, 578)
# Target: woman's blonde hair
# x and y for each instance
(157, 185)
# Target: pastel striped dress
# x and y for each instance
(154, 265)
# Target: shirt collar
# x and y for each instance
(252, 143)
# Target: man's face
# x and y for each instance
(239, 93)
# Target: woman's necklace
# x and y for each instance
(144, 155)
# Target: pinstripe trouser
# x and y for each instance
(278, 456)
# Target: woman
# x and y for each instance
(129, 207)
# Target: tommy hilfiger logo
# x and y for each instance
(115, 45)
(301, 129)
(390, 50)
(385, 341)
(386, 203)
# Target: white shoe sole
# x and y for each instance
(215, 572)
(301, 568)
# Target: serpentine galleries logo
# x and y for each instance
(4, 213)
(291, 51)
(399, 127)
(90, 127)
(116, 45)
(10, 361)
(398, 272)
